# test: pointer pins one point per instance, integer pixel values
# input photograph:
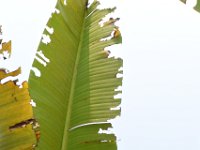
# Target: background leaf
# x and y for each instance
(15, 109)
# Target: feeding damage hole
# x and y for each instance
(10, 78)
(98, 141)
(50, 30)
(36, 71)
(57, 11)
(41, 58)
(46, 39)
(41, 55)
(4, 55)
(33, 103)
(7, 76)
(65, 2)
(108, 131)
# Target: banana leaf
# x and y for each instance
(16, 115)
(74, 80)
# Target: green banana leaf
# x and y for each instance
(16, 115)
(197, 7)
(73, 80)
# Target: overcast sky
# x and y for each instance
(161, 51)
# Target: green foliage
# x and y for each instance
(75, 92)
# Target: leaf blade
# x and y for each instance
(15, 109)
(71, 96)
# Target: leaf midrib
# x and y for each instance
(71, 95)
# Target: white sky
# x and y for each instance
(161, 51)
